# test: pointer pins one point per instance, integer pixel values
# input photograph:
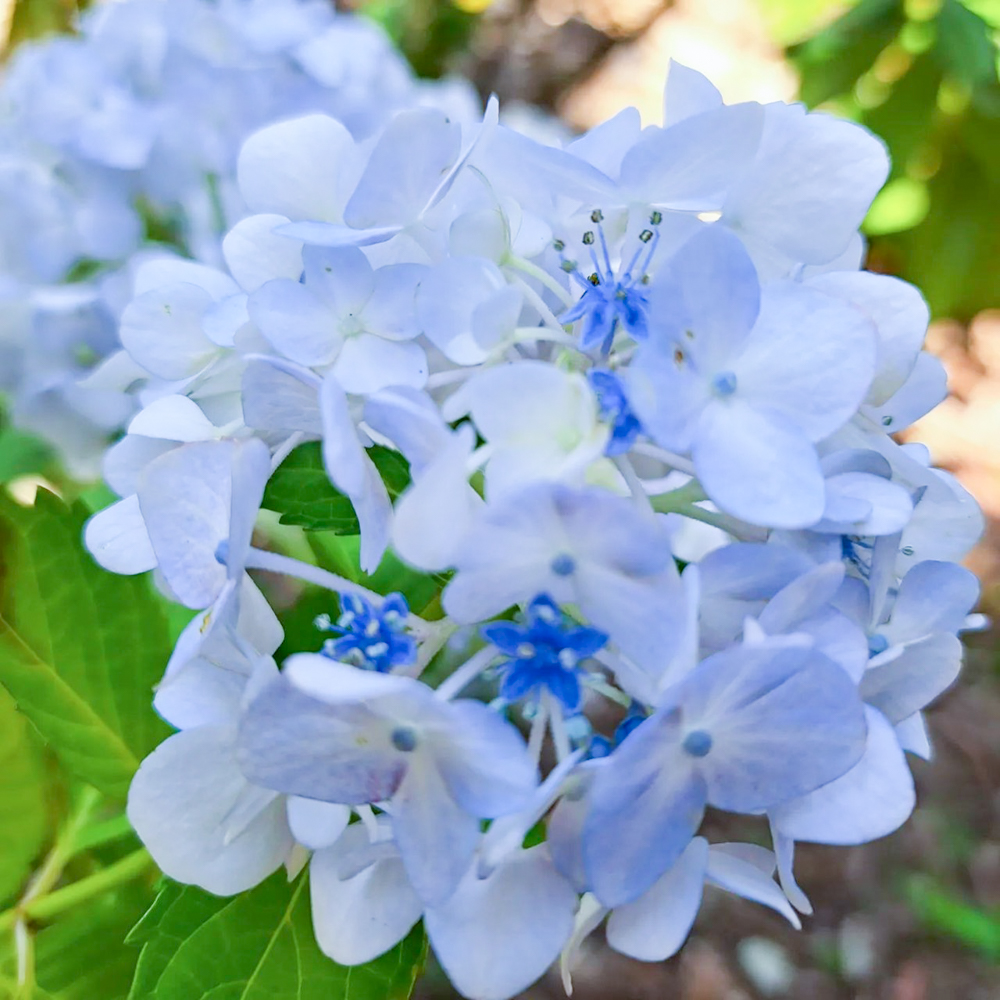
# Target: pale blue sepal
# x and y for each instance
(654, 926)
(870, 801)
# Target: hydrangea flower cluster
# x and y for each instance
(646, 395)
(129, 132)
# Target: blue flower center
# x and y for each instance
(369, 637)
(697, 743)
(877, 643)
(612, 298)
(543, 652)
(563, 565)
(724, 384)
(404, 739)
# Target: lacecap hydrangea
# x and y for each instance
(646, 396)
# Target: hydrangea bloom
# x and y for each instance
(581, 350)
(117, 149)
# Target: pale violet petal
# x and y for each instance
(739, 875)
(256, 254)
(182, 804)
(357, 919)
(654, 926)
(736, 441)
(316, 824)
(870, 801)
(495, 936)
(185, 497)
(810, 186)
(912, 680)
(404, 169)
(484, 761)
(687, 93)
(781, 720)
(691, 164)
(817, 389)
(161, 330)
(646, 804)
(435, 836)
(295, 321)
(900, 315)
(118, 540)
(173, 418)
(297, 168)
(433, 515)
(368, 364)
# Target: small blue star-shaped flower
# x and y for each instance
(611, 298)
(543, 652)
(373, 638)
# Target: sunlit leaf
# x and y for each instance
(302, 493)
(80, 648)
(22, 798)
(902, 204)
(257, 946)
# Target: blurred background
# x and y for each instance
(915, 916)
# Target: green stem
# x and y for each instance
(685, 500)
(48, 906)
(103, 833)
(534, 271)
(63, 849)
(679, 500)
(124, 870)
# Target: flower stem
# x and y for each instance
(274, 562)
(534, 271)
(466, 673)
(124, 870)
(65, 847)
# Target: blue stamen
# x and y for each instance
(635, 716)
(375, 639)
(610, 299)
(614, 408)
(852, 550)
(543, 652)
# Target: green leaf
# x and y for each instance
(906, 119)
(32, 18)
(80, 649)
(177, 912)
(965, 44)
(832, 61)
(902, 204)
(302, 493)
(258, 946)
(951, 256)
(82, 955)
(22, 798)
(789, 21)
(941, 911)
(21, 454)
